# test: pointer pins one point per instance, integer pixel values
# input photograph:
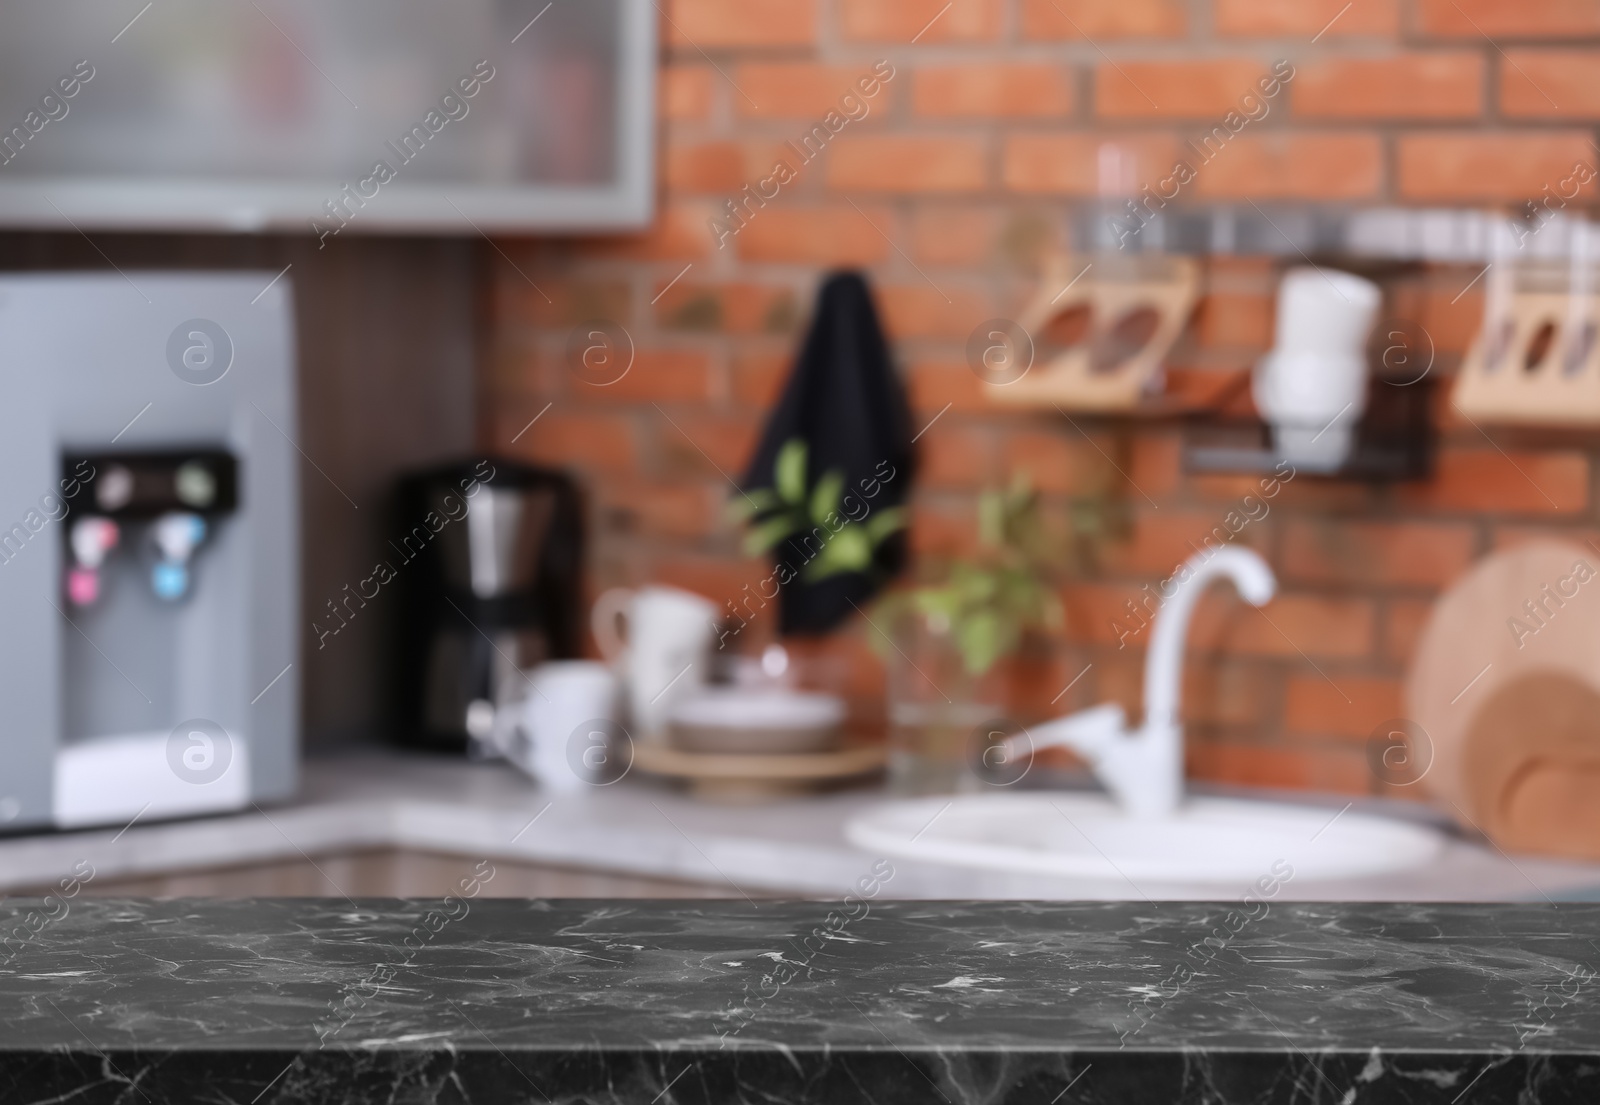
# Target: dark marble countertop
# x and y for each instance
(479, 1000)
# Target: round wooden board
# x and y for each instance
(1481, 644)
(753, 776)
(1536, 793)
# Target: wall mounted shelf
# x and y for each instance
(1394, 440)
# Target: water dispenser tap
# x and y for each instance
(177, 535)
(91, 538)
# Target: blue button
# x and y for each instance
(170, 581)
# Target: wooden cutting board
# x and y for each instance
(755, 777)
(1506, 685)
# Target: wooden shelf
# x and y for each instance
(1189, 394)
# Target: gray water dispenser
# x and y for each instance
(149, 585)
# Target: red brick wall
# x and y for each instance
(964, 171)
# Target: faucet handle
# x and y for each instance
(1090, 733)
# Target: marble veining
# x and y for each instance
(569, 1001)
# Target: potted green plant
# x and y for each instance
(943, 639)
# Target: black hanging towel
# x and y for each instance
(844, 400)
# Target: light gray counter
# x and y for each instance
(796, 847)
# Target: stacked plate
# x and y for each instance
(739, 743)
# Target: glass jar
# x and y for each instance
(940, 713)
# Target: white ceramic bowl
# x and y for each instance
(738, 720)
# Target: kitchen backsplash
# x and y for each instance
(944, 148)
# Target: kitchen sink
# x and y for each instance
(1144, 827)
(1087, 835)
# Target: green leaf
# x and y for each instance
(884, 523)
(766, 536)
(746, 505)
(851, 546)
(790, 471)
(980, 639)
(937, 602)
(848, 551)
(825, 496)
(977, 587)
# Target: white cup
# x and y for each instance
(1312, 402)
(1312, 386)
(1325, 311)
(659, 639)
(558, 730)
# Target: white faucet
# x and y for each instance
(1143, 768)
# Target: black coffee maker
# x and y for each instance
(492, 553)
